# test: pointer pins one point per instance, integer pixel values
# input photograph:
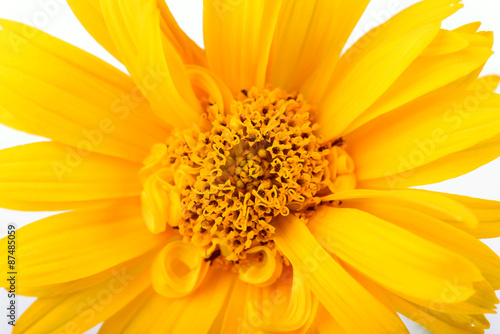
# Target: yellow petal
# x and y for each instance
(238, 37)
(235, 311)
(119, 322)
(212, 86)
(346, 300)
(179, 269)
(90, 14)
(192, 314)
(324, 323)
(266, 271)
(445, 42)
(425, 75)
(82, 310)
(486, 211)
(392, 256)
(486, 84)
(80, 243)
(299, 303)
(151, 59)
(374, 63)
(445, 168)
(51, 172)
(309, 38)
(431, 203)
(248, 308)
(112, 274)
(433, 321)
(11, 121)
(65, 94)
(204, 306)
(469, 28)
(423, 131)
(479, 40)
(190, 52)
(161, 203)
(436, 231)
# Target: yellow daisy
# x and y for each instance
(258, 186)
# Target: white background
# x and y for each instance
(58, 20)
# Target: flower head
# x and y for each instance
(261, 185)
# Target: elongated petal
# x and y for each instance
(392, 256)
(436, 231)
(82, 310)
(119, 322)
(324, 323)
(66, 288)
(486, 211)
(81, 243)
(151, 59)
(433, 321)
(6, 118)
(342, 295)
(51, 172)
(483, 40)
(193, 314)
(422, 132)
(238, 37)
(374, 63)
(185, 47)
(445, 168)
(90, 14)
(65, 94)
(204, 306)
(440, 69)
(446, 42)
(469, 28)
(424, 75)
(431, 203)
(309, 38)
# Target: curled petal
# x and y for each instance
(160, 204)
(345, 164)
(265, 271)
(301, 308)
(152, 162)
(178, 270)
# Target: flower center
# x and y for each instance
(234, 175)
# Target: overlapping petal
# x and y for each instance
(58, 91)
(422, 132)
(309, 38)
(157, 314)
(432, 70)
(393, 256)
(238, 38)
(80, 243)
(91, 16)
(151, 59)
(376, 61)
(342, 295)
(487, 213)
(82, 310)
(60, 175)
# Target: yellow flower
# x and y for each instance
(258, 186)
